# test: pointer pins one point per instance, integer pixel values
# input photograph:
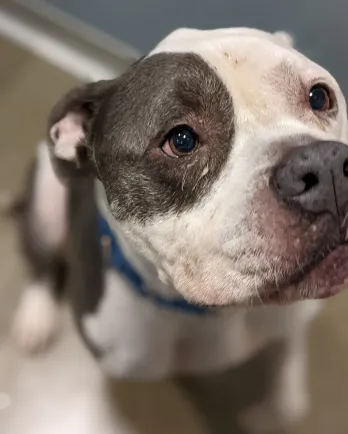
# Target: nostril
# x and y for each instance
(311, 180)
(345, 168)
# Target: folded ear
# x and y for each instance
(70, 122)
(284, 39)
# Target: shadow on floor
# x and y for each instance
(217, 399)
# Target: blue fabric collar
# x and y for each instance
(120, 263)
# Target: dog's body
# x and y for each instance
(204, 224)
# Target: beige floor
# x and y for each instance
(63, 390)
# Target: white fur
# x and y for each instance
(188, 344)
(37, 318)
(114, 320)
(49, 202)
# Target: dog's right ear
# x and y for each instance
(70, 122)
(284, 39)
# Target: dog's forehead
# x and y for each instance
(225, 48)
(185, 39)
(261, 71)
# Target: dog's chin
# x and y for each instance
(321, 276)
(320, 280)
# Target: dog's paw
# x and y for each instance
(265, 417)
(37, 319)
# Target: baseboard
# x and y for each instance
(74, 47)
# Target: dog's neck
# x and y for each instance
(146, 270)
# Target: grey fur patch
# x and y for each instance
(139, 110)
(84, 252)
(126, 124)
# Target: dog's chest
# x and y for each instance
(135, 338)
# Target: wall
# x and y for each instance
(319, 26)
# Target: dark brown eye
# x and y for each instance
(181, 141)
(319, 98)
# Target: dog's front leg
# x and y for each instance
(288, 399)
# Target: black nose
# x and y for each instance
(315, 177)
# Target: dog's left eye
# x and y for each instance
(181, 141)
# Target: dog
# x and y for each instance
(198, 203)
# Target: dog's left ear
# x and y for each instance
(70, 122)
(284, 39)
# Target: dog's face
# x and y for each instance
(210, 151)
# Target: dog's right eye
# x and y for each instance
(181, 140)
(320, 98)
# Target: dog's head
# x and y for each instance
(223, 157)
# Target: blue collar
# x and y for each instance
(120, 263)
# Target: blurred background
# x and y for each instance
(45, 48)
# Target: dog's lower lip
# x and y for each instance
(323, 280)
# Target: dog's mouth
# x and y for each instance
(322, 278)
